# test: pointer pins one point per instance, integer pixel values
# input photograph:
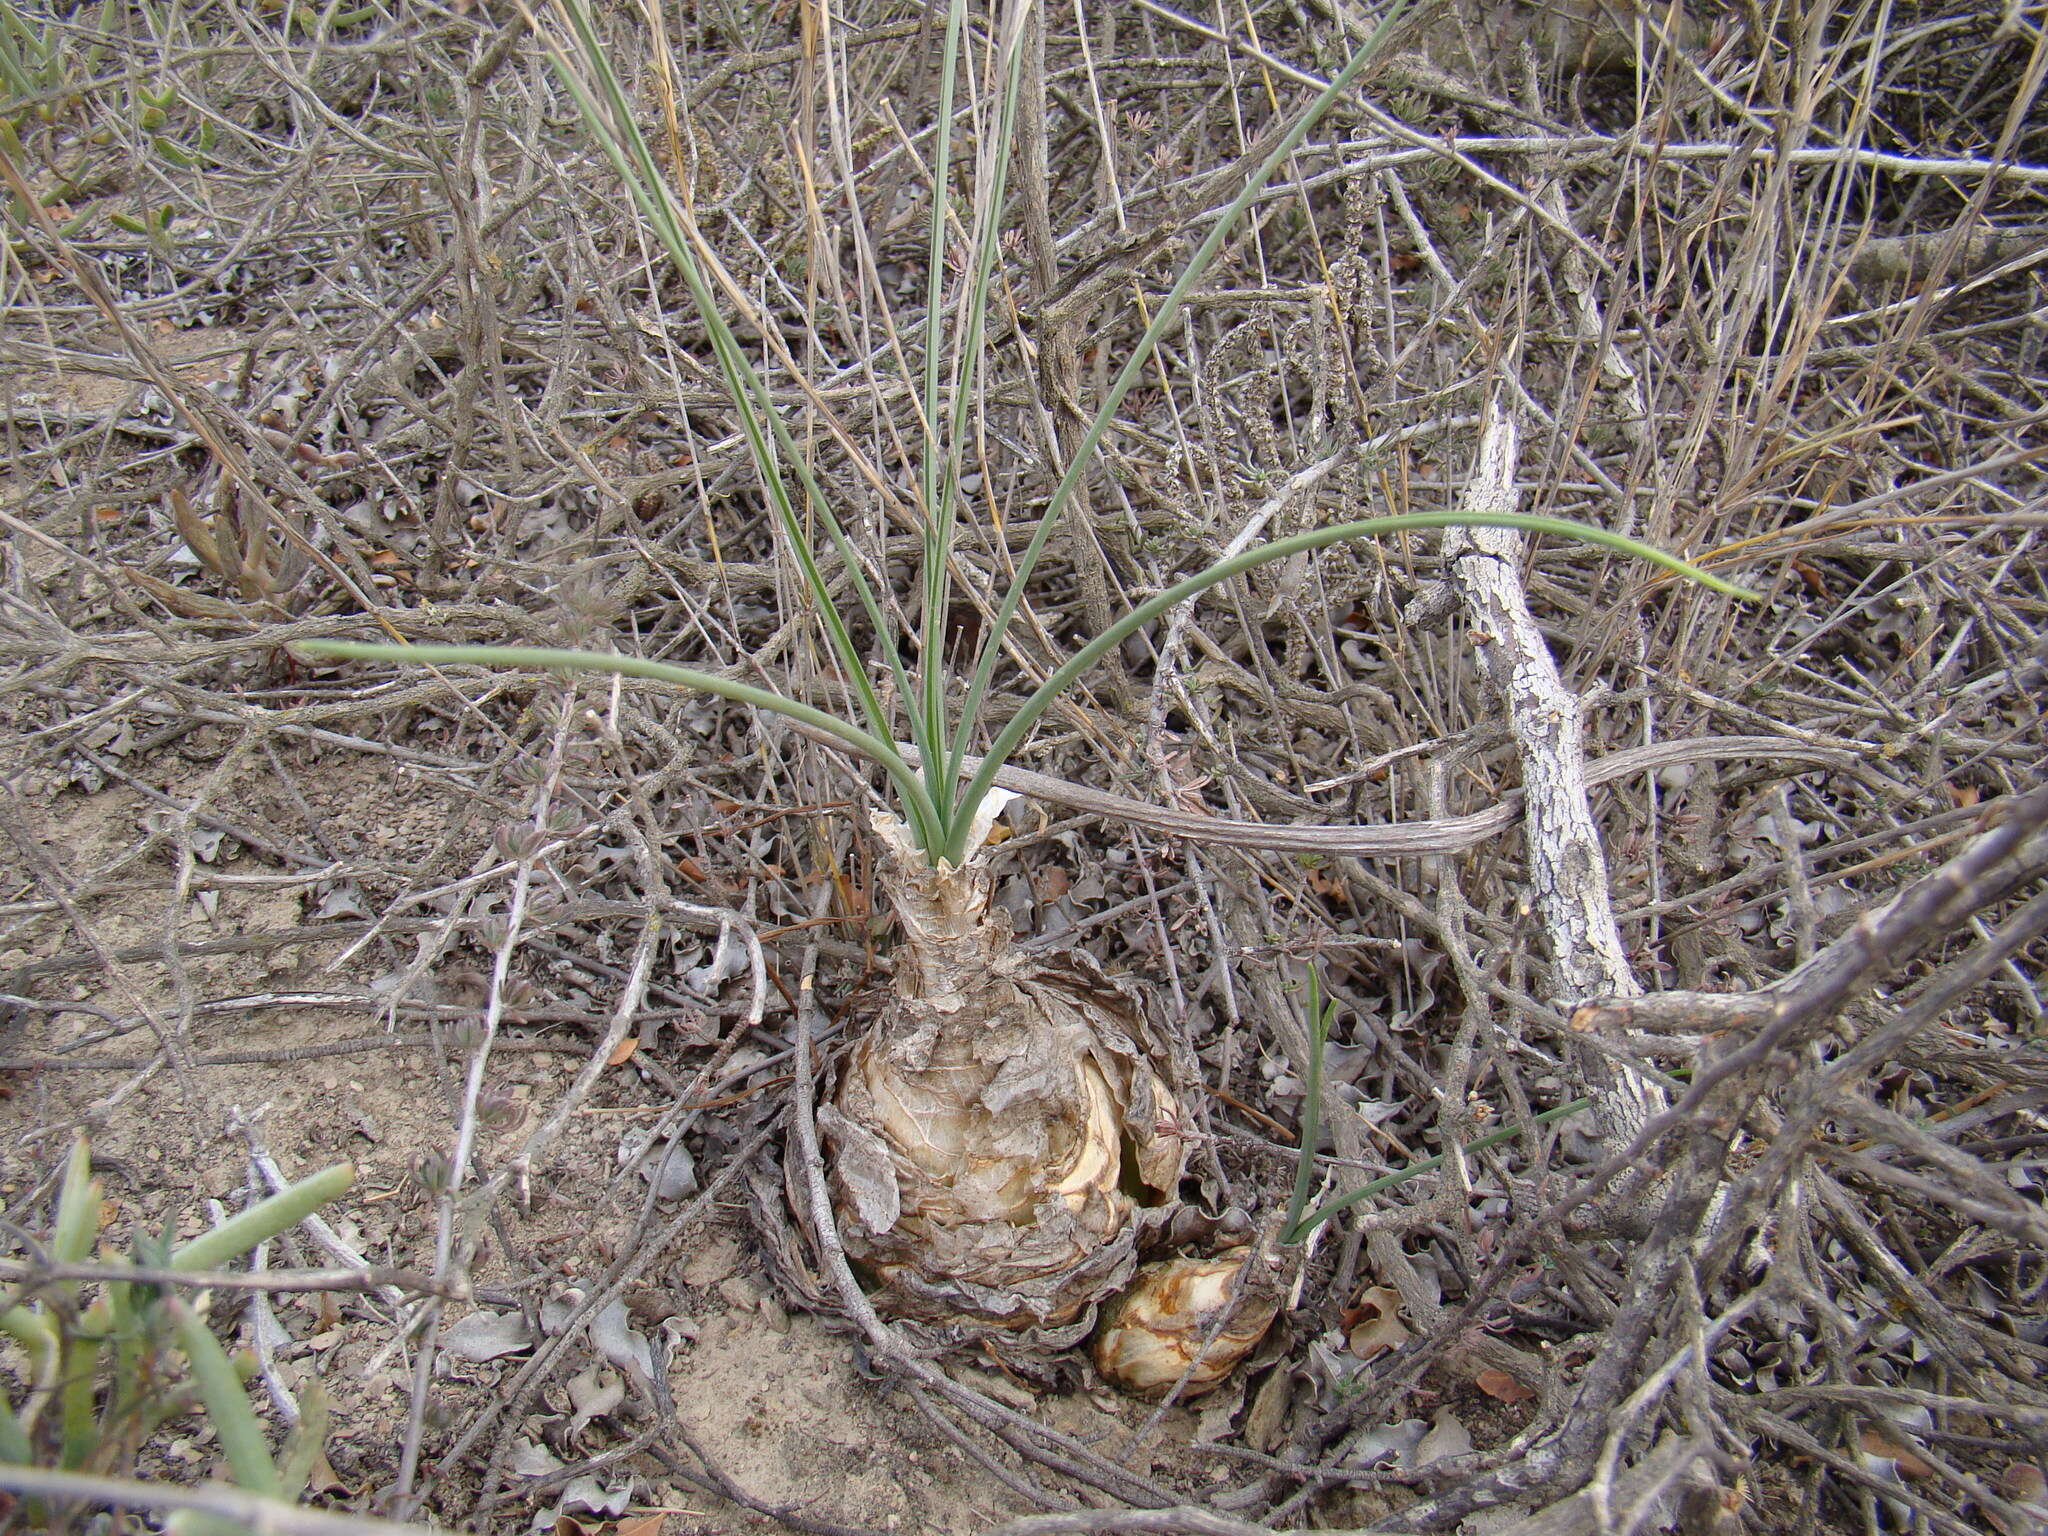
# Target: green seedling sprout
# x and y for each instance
(1301, 1221)
(938, 806)
(28, 64)
(1320, 1013)
(103, 1367)
(226, 1400)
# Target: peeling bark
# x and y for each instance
(1567, 869)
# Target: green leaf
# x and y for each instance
(78, 1208)
(37, 1337)
(607, 110)
(283, 1210)
(866, 744)
(1063, 677)
(227, 1401)
(77, 1398)
(14, 1442)
(1387, 1181)
(939, 807)
(302, 1449)
(1319, 1015)
(1141, 356)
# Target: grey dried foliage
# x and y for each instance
(1762, 283)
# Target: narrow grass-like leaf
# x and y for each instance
(1311, 1108)
(940, 809)
(619, 136)
(110, 12)
(935, 474)
(876, 749)
(23, 57)
(1141, 355)
(1399, 1176)
(1063, 677)
(946, 455)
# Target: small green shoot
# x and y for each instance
(154, 226)
(101, 1373)
(1416, 1170)
(1301, 1221)
(29, 63)
(1320, 1012)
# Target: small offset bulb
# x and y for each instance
(1154, 1330)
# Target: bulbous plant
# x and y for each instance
(1185, 1322)
(999, 1128)
(1005, 1132)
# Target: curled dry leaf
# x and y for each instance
(1411, 1444)
(1502, 1387)
(591, 1495)
(530, 1459)
(1447, 1437)
(1390, 1445)
(663, 1162)
(593, 1393)
(1372, 1324)
(2023, 1485)
(322, 1478)
(1154, 1333)
(618, 1342)
(556, 1311)
(485, 1335)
